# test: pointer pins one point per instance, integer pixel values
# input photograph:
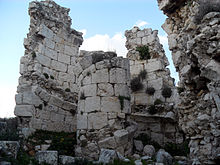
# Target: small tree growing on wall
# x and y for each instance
(143, 52)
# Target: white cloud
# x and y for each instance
(141, 23)
(106, 43)
(7, 97)
(163, 40)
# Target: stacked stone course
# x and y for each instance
(101, 116)
(47, 97)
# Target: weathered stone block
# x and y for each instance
(97, 120)
(121, 90)
(89, 90)
(154, 66)
(49, 157)
(58, 66)
(64, 58)
(65, 160)
(118, 75)
(43, 60)
(121, 136)
(92, 104)
(24, 110)
(56, 101)
(100, 76)
(82, 122)
(108, 143)
(70, 50)
(110, 104)
(105, 89)
(45, 32)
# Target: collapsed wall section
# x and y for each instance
(193, 36)
(47, 90)
(103, 105)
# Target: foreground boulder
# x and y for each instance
(164, 157)
(49, 157)
(108, 156)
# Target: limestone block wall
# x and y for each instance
(47, 90)
(157, 76)
(103, 104)
(159, 123)
(193, 33)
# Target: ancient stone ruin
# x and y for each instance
(111, 102)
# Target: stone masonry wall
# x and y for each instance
(103, 105)
(47, 90)
(162, 125)
(193, 33)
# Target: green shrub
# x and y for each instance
(33, 54)
(62, 142)
(152, 110)
(166, 92)
(121, 99)
(158, 102)
(67, 90)
(150, 91)
(51, 77)
(136, 84)
(142, 74)
(143, 52)
(88, 73)
(206, 6)
(178, 149)
(180, 89)
(46, 75)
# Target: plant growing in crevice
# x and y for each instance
(143, 52)
(33, 54)
(67, 90)
(180, 89)
(142, 75)
(88, 74)
(51, 77)
(158, 102)
(46, 75)
(121, 99)
(136, 84)
(150, 91)
(152, 109)
(178, 149)
(166, 92)
(82, 96)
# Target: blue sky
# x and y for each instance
(103, 20)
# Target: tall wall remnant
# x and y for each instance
(194, 39)
(47, 97)
(154, 113)
(104, 103)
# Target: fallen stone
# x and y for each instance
(138, 145)
(108, 156)
(66, 160)
(49, 157)
(10, 148)
(164, 157)
(149, 150)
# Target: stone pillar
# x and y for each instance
(103, 104)
(47, 90)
